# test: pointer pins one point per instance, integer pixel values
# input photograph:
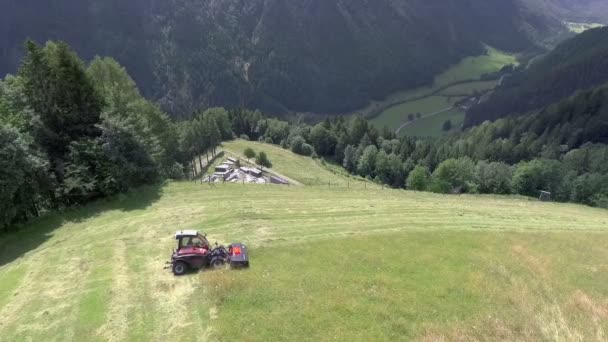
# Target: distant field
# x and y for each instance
(433, 126)
(397, 115)
(328, 263)
(468, 88)
(471, 68)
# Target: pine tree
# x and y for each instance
(66, 105)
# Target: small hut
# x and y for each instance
(545, 196)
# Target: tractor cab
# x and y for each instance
(191, 242)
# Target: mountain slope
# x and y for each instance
(583, 10)
(279, 55)
(577, 64)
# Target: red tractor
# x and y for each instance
(194, 252)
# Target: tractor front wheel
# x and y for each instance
(180, 268)
(217, 263)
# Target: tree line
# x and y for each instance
(72, 132)
(561, 149)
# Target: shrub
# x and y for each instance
(418, 179)
(536, 175)
(297, 144)
(175, 172)
(263, 160)
(307, 150)
(447, 125)
(249, 153)
(455, 176)
(493, 178)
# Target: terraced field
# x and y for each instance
(345, 262)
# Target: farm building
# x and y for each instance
(229, 171)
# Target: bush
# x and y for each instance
(244, 137)
(539, 174)
(418, 179)
(175, 172)
(307, 150)
(249, 153)
(447, 125)
(455, 176)
(297, 144)
(493, 178)
(263, 160)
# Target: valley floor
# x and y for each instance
(348, 261)
(459, 82)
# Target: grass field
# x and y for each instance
(328, 263)
(396, 107)
(397, 115)
(467, 89)
(432, 126)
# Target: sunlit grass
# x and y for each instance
(327, 261)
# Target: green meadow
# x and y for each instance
(336, 258)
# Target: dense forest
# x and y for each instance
(72, 133)
(562, 149)
(577, 64)
(276, 55)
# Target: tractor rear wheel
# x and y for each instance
(179, 268)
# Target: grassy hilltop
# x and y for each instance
(349, 261)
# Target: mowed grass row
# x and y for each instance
(427, 286)
(327, 262)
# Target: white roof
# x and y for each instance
(185, 233)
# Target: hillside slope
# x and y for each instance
(313, 55)
(577, 64)
(350, 262)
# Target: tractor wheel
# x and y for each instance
(217, 263)
(179, 268)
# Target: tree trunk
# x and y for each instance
(193, 166)
(200, 161)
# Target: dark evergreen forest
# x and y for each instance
(324, 56)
